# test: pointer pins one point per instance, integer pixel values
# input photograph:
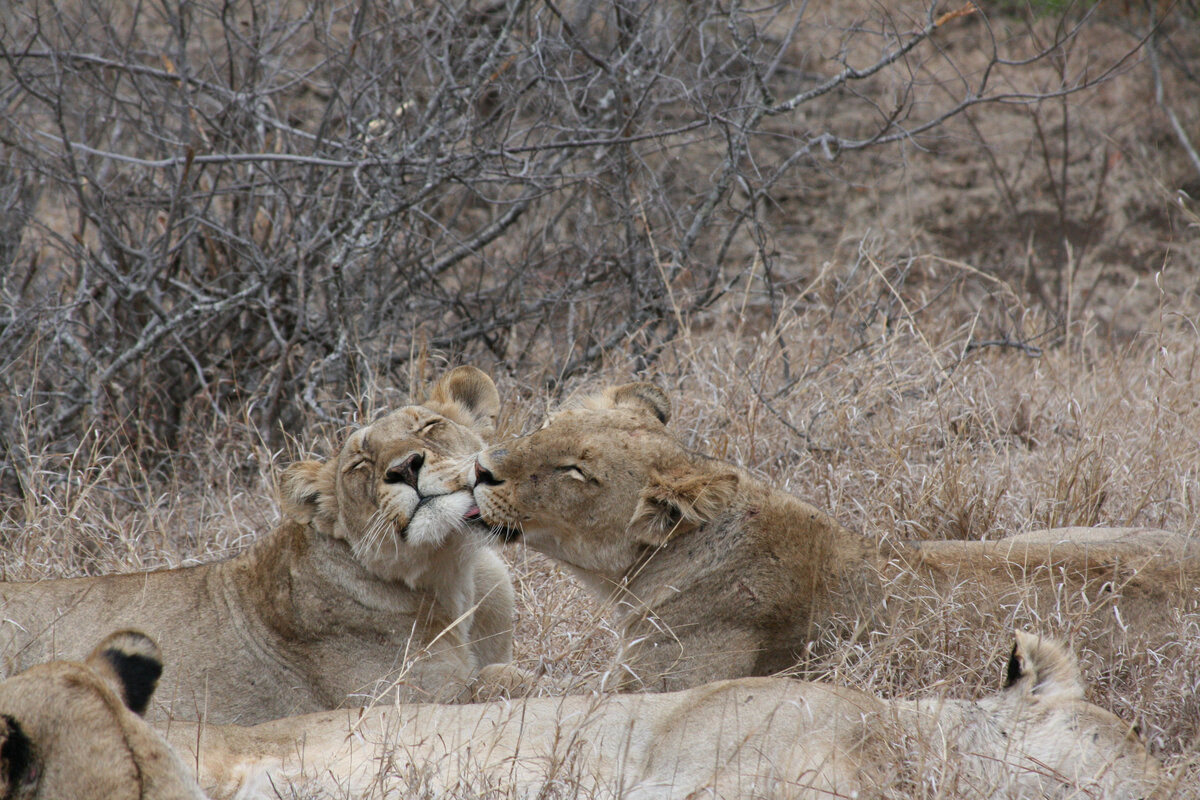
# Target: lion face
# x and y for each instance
(598, 486)
(72, 729)
(398, 490)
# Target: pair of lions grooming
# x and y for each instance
(718, 575)
(753, 737)
(369, 586)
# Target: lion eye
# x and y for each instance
(574, 472)
(428, 427)
(358, 463)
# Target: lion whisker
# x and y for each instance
(371, 543)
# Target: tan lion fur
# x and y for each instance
(369, 584)
(717, 575)
(68, 732)
(753, 737)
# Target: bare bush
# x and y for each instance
(222, 208)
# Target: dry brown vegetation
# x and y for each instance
(982, 327)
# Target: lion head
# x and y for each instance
(398, 491)
(74, 730)
(1038, 736)
(599, 485)
(1066, 738)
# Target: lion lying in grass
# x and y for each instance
(71, 731)
(754, 737)
(368, 585)
(718, 575)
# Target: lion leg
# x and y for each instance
(492, 623)
(496, 681)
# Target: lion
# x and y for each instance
(74, 730)
(369, 585)
(717, 575)
(750, 737)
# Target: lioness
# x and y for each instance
(718, 575)
(367, 585)
(754, 737)
(71, 731)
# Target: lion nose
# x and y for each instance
(484, 476)
(406, 471)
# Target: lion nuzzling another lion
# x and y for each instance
(368, 587)
(753, 737)
(716, 574)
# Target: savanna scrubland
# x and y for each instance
(932, 268)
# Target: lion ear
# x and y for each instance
(1043, 667)
(467, 395)
(16, 758)
(132, 664)
(677, 503)
(644, 398)
(308, 494)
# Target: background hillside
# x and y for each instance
(935, 269)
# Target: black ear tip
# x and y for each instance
(137, 663)
(138, 674)
(1013, 670)
(16, 755)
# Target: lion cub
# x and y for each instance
(367, 588)
(71, 731)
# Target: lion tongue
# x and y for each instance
(472, 513)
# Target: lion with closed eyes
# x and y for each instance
(370, 586)
(716, 574)
(1038, 737)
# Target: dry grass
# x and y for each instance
(884, 434)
